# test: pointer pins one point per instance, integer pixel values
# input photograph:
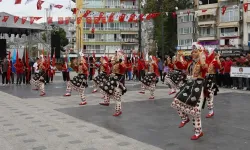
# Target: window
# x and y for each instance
(231, 15)
(186, 18)
(185, 42)
(94, 4)
(91, 36)
(205, 2)
(187, 30)
(207, 32)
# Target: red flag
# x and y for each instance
(37, 18)
(148, 17)
(39, 4)
(96, 20)
(86, 13)
(24, 20)
(32, 19)
(131, 18)
(58, 6)
(5, 18)
(67, 20)
(54, 61)
(79, 20)
(49, 20)
(74, 10)
(101, 14)
(204, 10)
(92, 30)
(174, 14)
(16, 19)
(60, 20)
(103, 20)
(122, 17)
(27, 65)
(224, 8)
(111, 17)
(141, 17)
(245, 6)
(18, 1)
(17, 57)
(88, 20)
(9, 68)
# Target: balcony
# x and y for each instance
(129, 7)
(207, 37)
(229, 34)
(206, 20)
(208, 6)
(129, 40)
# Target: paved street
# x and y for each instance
(54, 122)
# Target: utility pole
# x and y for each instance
(139, 34)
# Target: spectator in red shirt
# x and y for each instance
(19, 71)
(221, 81)
(227, 68)
(129, 69)
(141, 68)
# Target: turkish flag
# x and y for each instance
(32, 19)
(49, 20)
(245, 6)
(88, 20)
(96, 20)
(122, 17)
(79, 20)
(204, 10)
(60, 20)
(58, 6)
(92, 30)
(174, 14)
(37, 18)
(39, 4)
(141, 17)
(74, 10)
(224, 8)
(103, 20)
(18, 1)
(5, 18)
(111, 17)
(131, 18)
(16, 19)
(67, 20)
(86, 13)
(24, 20)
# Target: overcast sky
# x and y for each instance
(30, 9)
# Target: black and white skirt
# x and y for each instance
(109, 86)
(79, 82)
(175, 78)
(210, 84)
(190, 98)
(39, 77)
(149, 78)
(102, 77)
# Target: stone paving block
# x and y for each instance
(23, 115)
(39, 148)
(29, 140)
(81, 126)
(37, 121)
(3, 120)
(29, 117)
(93, 131)
(21, 134)
(62, 135)
(54, 115)
(45, 125)
(52, 130)
(75, 142)
(89, 149)
(71, 122)
(107, 137)
(123, 144)
(14, 129)
(18, 111)
(8, 125)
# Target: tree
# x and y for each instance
(44, 37)
(169, 23)
(62, 34)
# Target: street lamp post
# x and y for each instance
(139, 34)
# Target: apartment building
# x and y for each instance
(186, 29)
(246, 26)
(108, 37)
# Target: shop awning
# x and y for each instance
(228, 24)
(206, 12)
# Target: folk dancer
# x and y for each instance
(114, 87)
(175, 78)
(104, 75)
(39, 79)
(151, 78)
(190, 98)
(79, 82)
(211, 89)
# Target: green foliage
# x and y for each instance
(169, 40)
(63, 39)
(44, 37)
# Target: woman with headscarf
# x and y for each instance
(150, 80)
(189, 100)
(79, 82)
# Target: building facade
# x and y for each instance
(185, 29)
(108, 37)
(221, 24)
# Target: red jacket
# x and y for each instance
(141, 64)
(129, 66)
(227, 66)
(19, 67)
